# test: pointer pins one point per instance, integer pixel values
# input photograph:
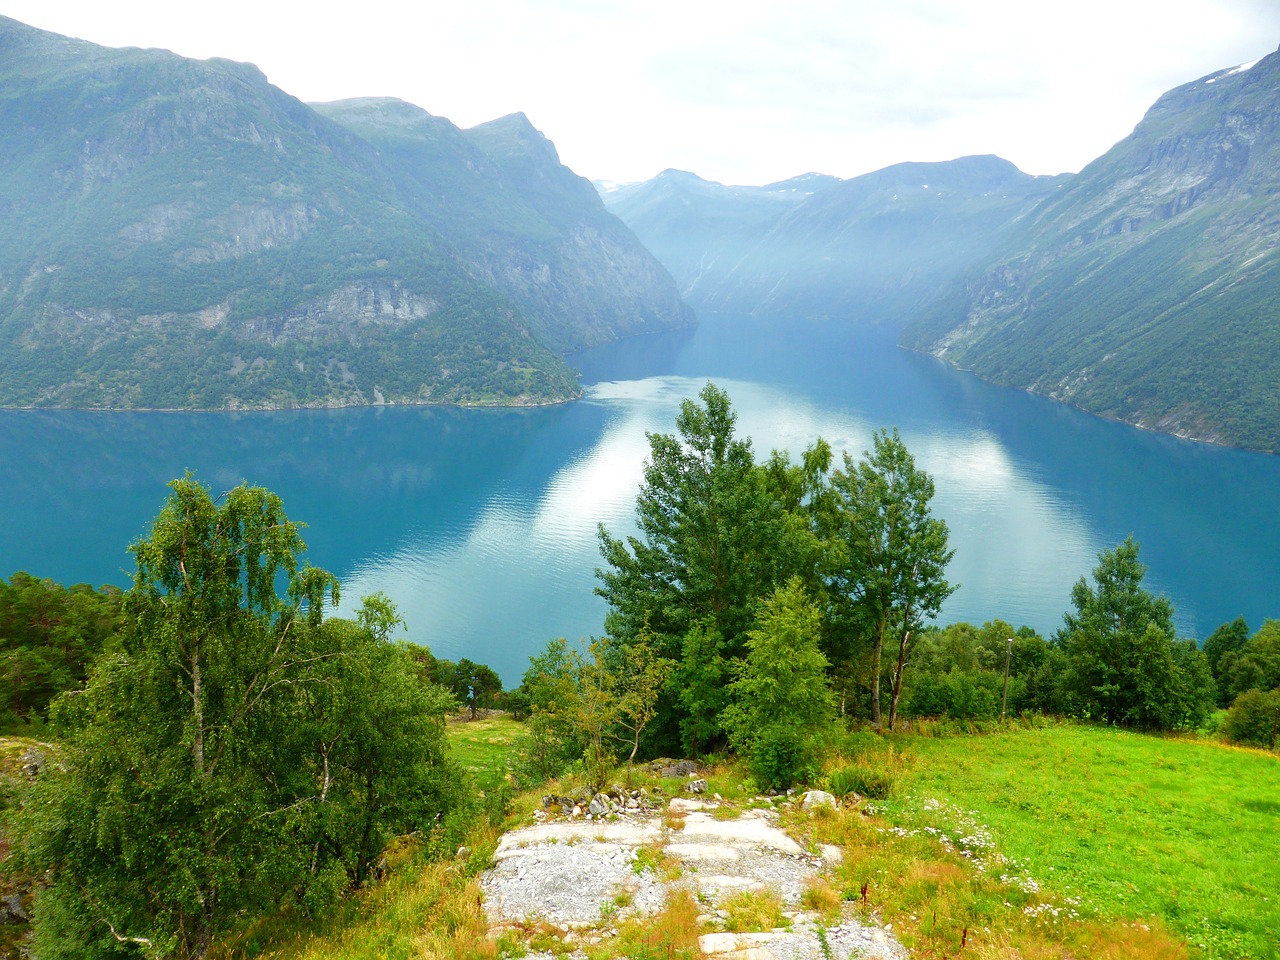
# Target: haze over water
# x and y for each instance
(481, 524)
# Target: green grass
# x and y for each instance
(483, 746)
(1133, 826)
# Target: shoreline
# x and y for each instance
(1222, 444)
(296, 407)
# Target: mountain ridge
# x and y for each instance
(870, 249)
(180, 233)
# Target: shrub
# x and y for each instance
(874, 781)
(780, 756)
(1253, 719)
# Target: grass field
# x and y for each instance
(482, 746)
(1061, 843)
(1130, 826)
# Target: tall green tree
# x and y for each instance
(1228, 637)
(229, 751)
(1120, 646)
(712, 541)
(886, 558)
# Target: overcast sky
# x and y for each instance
(740, 92)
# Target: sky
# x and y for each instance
(742, 92)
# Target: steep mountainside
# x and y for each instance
(521, 221)
(874, 248)
(181, 233)
(1148, 287)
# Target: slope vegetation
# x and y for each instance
(178, 233)
(1147, 288)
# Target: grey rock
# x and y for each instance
(817, 798)
(11, 910)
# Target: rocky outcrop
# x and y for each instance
(582, 878)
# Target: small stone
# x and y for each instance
(697, 786)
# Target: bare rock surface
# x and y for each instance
(582, 875)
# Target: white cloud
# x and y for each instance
(741, 92)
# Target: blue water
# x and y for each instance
(481, 524)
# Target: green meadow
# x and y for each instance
(1131, 826)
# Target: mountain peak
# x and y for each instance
(513, 135)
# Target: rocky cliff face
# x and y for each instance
(1148, 287)
(159, 214)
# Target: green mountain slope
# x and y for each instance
(176, 233)
(1148, 287)
(876, 248)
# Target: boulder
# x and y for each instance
(818, 798)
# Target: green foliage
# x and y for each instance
(875, 781)
(719, 533)
(474, 685)
(49, 634)
(702, 680)
(553, 742)
(584, 706)
(1227, 638)
(780, 697)
(1253, 719)
(1255, 665)
(887, 558)
(1123, 663)
(232, 752)
(711, 544)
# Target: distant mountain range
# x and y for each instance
(179, 233)
(872, 249)
(1146, 288)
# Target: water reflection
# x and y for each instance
(481, 524)
(521, 571)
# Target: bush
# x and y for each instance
(874, 782)
(1253, 719)
(780, 756)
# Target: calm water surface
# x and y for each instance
(481, 524)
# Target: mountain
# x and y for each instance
(1148, 287)
(700, 229)
(179, 233)
(875, 248)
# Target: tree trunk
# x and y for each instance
(197, 698)
(898, 670)
(875, 675)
